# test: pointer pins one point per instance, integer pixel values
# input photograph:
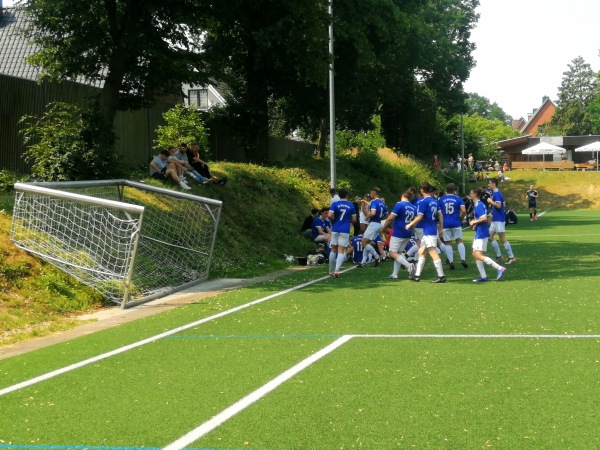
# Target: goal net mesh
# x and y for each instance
(140, 242)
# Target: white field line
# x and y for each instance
(69, 368)
(259, 393)
(542, 213)
(478, 336)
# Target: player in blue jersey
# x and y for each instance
(415, 198)
(427, 212)
(482, 233)
(403, 213)
(452, 211)
(357, 249)
(342, 214)
(377, 212)
(498, 225)
(320, 227)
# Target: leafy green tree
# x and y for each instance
(481, 135)
(182, 124)
(70, 142)
(477, 104)
(366, 141)
(275, 60)
(138, 49)
(576, 92)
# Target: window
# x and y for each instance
(198, 98)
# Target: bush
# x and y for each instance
(182, 125)
(70, 142)
(369, 141)
(8, 179)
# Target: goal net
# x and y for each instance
(131, 241)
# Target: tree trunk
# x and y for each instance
(257, 109)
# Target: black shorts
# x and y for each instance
(532, 204)
(159, 176)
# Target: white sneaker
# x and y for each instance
(184, 186)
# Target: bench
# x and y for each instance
(542, 165)
(586, 166)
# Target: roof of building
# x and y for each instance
(15, 48)
(538, 113)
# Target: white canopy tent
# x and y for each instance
(544, 148)
(593, 147)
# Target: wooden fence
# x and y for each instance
(18, 97)
(135, 130)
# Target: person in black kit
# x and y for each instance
(306, 229)
(468, 209)
(200, 166)
(532, 196)
(485, 194)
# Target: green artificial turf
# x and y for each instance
(370, 393)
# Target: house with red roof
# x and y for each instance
(534, 125)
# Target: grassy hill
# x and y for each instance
(264, 207)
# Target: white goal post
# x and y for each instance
(131, 241)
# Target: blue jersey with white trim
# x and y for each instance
(428, 208)
(482, 230)
(405, 214)
(498, 214)
(343, 211)
(450, 206)
(357, 254)
(380, 210)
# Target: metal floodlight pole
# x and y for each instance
(331, 101)
(462, 149)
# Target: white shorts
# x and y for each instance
(429, 241)
(372, 230)
(498, 227)
(480, 244)
(341, 239)
(418, 234)
(320, 238)
(398, 244)
(363, 219)
(452, 234)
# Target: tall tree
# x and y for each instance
(478, 104)
(575, 94)
(266, 50)
(139, 49)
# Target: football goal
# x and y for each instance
(131, 241)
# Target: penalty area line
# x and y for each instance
(71, 367)
(253, 397)
(477, 336)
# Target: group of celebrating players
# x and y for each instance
(420, 224)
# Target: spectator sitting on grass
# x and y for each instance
(193, 154)
(161, 169)
(182, 159)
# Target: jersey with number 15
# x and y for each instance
(343, 211)
(450, 206)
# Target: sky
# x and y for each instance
(524, 46)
